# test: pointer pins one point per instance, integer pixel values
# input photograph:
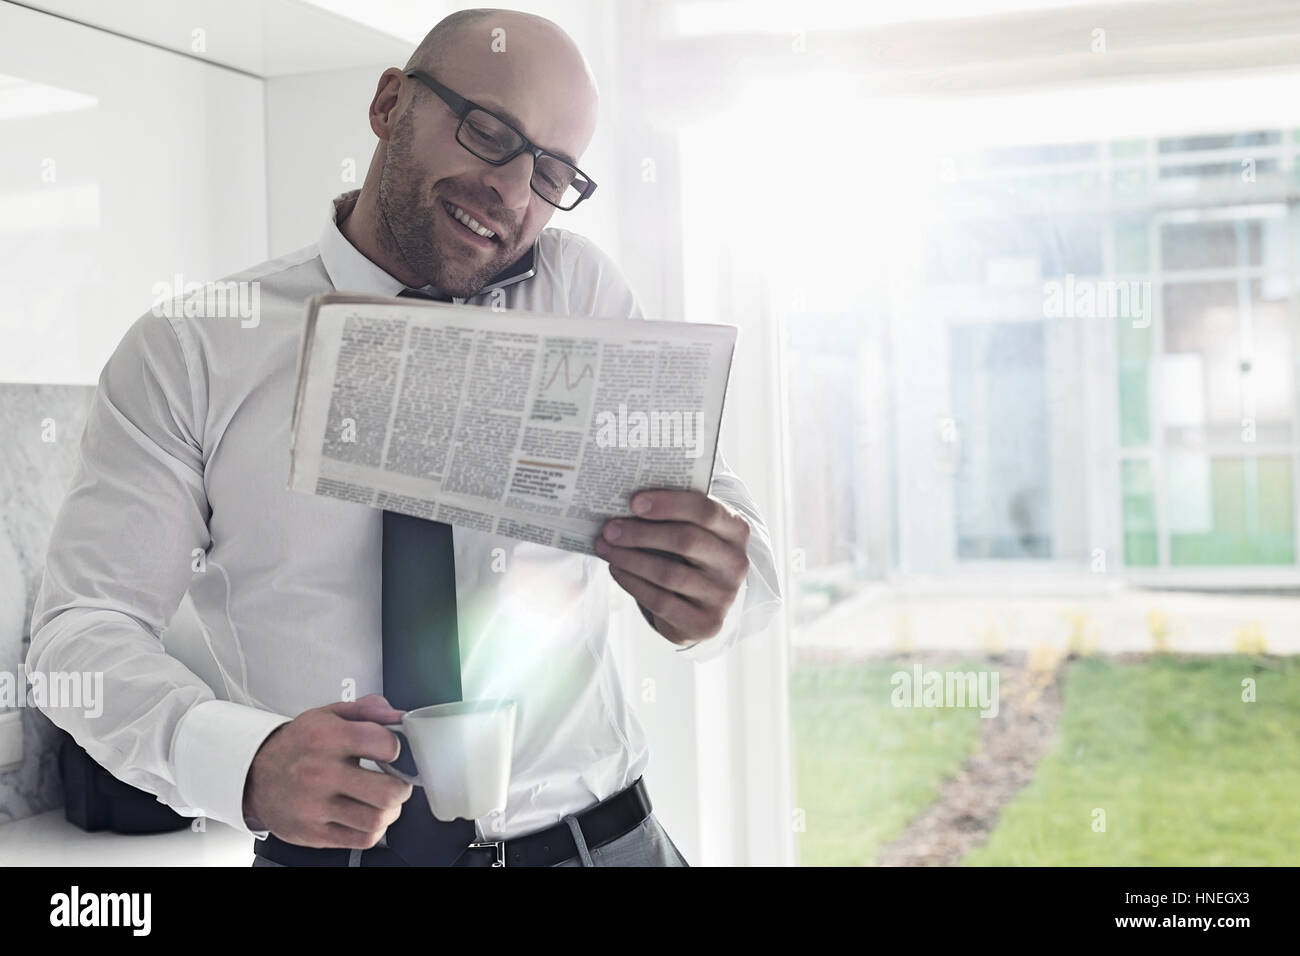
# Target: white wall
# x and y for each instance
(318, 144)
(123, 165)
(259, 37)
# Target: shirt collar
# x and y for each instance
(350, 271)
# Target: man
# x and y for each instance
(182, 486)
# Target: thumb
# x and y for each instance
(371, 707)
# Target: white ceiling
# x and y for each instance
(264, 38)
(929, 40)
(408, 19)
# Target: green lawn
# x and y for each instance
(1187, 774)
(865, 769)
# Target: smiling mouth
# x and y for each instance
(470, 224)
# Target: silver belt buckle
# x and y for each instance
(500, 846)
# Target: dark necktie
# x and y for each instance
(421, 659)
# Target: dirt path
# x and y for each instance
(970, 803)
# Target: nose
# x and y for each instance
(510, 181)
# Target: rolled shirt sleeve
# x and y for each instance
(121, 556)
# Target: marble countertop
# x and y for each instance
(48, 839)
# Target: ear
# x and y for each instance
(386, 104)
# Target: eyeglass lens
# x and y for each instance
(488, 138)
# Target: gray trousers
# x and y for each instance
(647, 845)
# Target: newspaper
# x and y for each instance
(538, 427)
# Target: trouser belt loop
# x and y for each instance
(579, 839)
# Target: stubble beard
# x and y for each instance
(407, 217)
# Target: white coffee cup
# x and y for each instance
(462, 756)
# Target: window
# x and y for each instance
(1091, 383)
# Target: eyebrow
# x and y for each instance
(513, 120)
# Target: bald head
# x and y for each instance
(432, 211)
(525, 63)
(490, 28)
(445, 35)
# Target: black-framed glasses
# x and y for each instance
(495, 141)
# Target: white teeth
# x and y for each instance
(463, 217)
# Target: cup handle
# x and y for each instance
(389, 768)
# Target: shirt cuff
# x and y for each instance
(215, 746)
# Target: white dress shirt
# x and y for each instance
(181, 485)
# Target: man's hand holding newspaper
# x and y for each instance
(683, 560)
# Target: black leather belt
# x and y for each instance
(600, 824)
